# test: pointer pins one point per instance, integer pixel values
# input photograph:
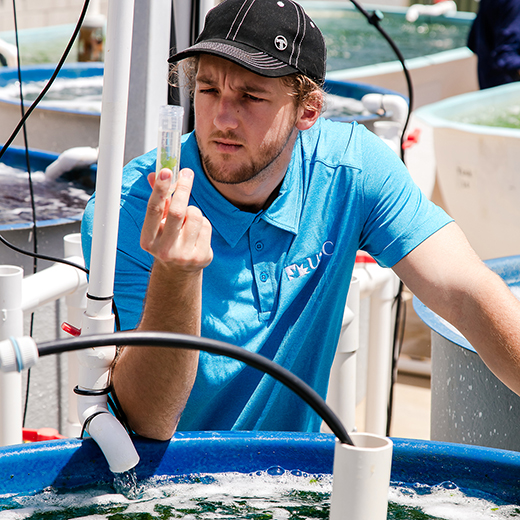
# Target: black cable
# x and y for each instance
(31, 191)
(24, 118)
(374, 19)
(172, 340)
(42, 257)
(51, 80)
(398, 339)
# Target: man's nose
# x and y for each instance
(227, 115)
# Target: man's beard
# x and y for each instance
(247, 172)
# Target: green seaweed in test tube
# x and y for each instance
(169, 140)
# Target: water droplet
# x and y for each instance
(126, 484)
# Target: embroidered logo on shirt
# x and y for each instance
(310, 263)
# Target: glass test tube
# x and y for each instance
(169, 141)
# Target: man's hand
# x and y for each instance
(176, 234)
(153, 384)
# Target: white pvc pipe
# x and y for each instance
(76, 305)
(52, 283)
(380, 348)
(110, 162)
(11, 324)
(361, 478)
(95, 362)
(341, 396)
(8, 51)
(396, 106)
(437, 9)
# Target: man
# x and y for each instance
(495, 39)
(258, 243)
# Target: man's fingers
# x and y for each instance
(157, 208)
(179, 202)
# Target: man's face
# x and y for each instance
(243, 122)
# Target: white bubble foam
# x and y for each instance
(235, 495)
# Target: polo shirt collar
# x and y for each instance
(283, 213)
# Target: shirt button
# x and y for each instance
(259, 246)
(264, 277)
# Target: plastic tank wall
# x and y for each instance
(477, 166)
(470, 405)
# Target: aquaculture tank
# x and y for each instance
(69, 114)
(469, 404)
(434, 48)
(59, 204)
(477, 151)
(249, 475)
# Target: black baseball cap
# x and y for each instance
(272, 38)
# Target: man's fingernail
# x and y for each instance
(164, 174)
(187, 173)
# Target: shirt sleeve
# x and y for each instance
(397, 215)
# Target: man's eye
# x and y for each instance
(250, 97)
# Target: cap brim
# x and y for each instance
(248, 57)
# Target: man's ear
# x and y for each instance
(309, 113)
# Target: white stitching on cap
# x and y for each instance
(299, 10)
(260, 60)
(241, 21)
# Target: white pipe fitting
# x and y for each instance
(437, 9)
(17, 354)
(361, 478)
(389, 104)
(93, 413)
(114, 442)
(11, 324)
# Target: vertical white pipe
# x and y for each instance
(182, 19)
(76, 305)
(341, 395)
(11, 324)
(205, 6)
(361, 478)
(149, 75)
(94, 363)
(110, 162)
(380, 353)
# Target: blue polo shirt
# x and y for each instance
(279, 278)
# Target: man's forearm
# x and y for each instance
(153, 384)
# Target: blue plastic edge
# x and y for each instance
(508, 268)
(43, 72)
(71, 463)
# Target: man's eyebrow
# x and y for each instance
(245, 87)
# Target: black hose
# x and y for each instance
(51, 80)
(374, 20)
(25, 116)
(172, 340)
